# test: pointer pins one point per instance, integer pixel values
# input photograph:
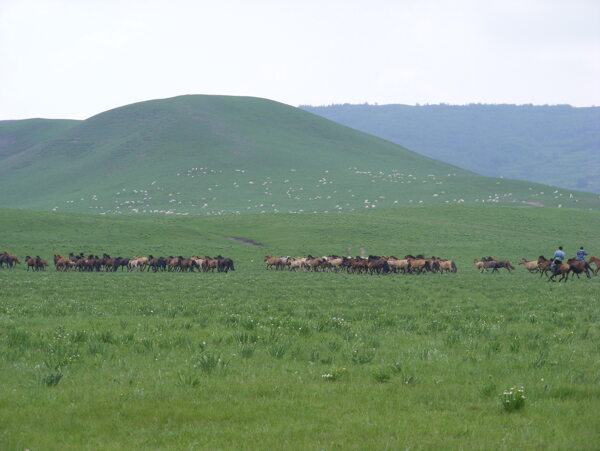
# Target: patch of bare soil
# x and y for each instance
(244, 240)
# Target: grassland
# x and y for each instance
(263, 359)
(210, 155)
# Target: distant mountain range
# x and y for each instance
(557, 145)
(220, 155)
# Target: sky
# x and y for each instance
(74, 59)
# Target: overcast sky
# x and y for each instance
(74, 59)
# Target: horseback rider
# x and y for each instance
(557, 258)
(581, 254)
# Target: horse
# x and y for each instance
(188, 264)
(579, 266)
(397, 265)
(294, 264)
(199, 262)
(561, 269)
(314, 264)
(334, 263)
(446, 265)
(273, 262)
(356, 265)
(210, 264)
(485, 263)
(480, 266)
(531, 266)
(10, 260)
(40, 263)
(418, 264)
(596, 261)
(62, 263)
(499, 263)
(31, 263)
(138, 263)
(157, 263)
(224, 264)
(543, 265)
(377, 264)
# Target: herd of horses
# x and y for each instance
(553, 269)
(373, 264)
(544, 266)
(92, 263)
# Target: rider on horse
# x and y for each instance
(557, 258)
(581, 254)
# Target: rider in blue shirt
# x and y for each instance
(559, 254)
(557, 258)
(581, 254)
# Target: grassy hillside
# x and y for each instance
(557, 145)
(215, 155)
(18, 136)
(260, 359)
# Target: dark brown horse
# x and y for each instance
(578, 267)
(224, 264)
(40, 263)
(30, 263)
(499, 263)
(9, 260)
(377, 264)
(356, 265)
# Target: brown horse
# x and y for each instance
(188, 264)
(61, 263)
(579, 266)
(356, 265)
(596, 261)
(273, 262)
(417, 264)
(314, 263)
(210, 264)
(561, 269)
(531, 266)
(543, 265)
(31, 263)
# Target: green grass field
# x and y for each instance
(260, 359)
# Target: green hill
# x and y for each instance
(557, 144)
(19, 136)
(217, 154)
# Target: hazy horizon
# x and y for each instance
(65, 59)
